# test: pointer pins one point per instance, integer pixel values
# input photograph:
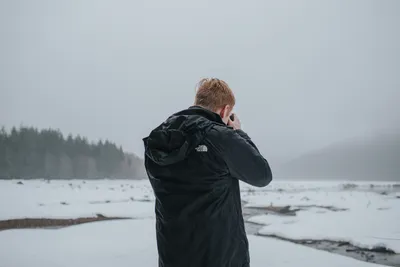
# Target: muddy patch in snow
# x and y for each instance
(27, 223)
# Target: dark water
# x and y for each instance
(383, 256)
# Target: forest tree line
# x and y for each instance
(27, 153)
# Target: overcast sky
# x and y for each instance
(306, 73)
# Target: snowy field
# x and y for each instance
(362, 214)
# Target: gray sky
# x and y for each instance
(305, 73)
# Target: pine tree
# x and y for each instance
(29, 153)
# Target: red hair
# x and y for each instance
(213, 94)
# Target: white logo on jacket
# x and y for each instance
(202, 148)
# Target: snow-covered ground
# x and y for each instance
(75, 198)
(371, 219)
(367, 216)
(132, 243)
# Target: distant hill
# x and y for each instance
(27, 153)
(376, 158)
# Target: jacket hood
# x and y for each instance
(180, 134)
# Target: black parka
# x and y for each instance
(194, 163)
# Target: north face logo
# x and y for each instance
(202, 148)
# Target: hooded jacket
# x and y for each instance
(194, 163)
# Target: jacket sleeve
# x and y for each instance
(241, 156)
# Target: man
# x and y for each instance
(194, 161)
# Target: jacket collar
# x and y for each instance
(200, 111)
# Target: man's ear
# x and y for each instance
(222, 112)
(226, 111)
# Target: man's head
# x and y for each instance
(215, 95)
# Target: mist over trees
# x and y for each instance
(27, 153)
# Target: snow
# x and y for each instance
(39, 199)
(371, 219)
(112, 243)
(132, 243)
(298, 186)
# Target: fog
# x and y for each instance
(306, 73)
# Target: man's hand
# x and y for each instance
(235, 124)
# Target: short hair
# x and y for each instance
(213, 94)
